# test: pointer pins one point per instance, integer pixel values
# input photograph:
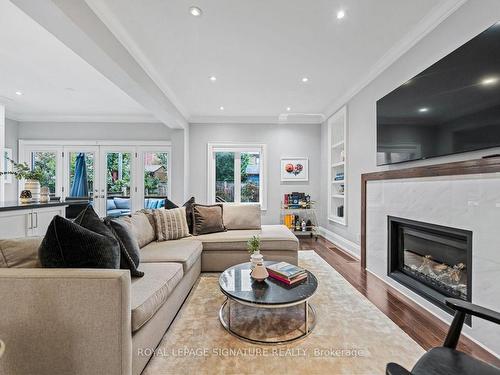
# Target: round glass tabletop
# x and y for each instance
(236, 283)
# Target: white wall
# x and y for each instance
(117, 132)
(471, 19)
(2, 144)
(281, 141)
(11, 137)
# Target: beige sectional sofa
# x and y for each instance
(93, 321)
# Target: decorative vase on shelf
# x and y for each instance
(34, 187)
(259, 273)
(44, 195)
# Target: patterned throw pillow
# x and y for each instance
(189, 210)
(171, 224)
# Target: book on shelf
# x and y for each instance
(286, 272)
(296, 200)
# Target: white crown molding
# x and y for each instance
(80, 118)
(289, 118)
(436, 15)
(120, 33)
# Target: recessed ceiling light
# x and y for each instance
(288, 109)
(489, 81)
(305, 79)
(19, 93)
(213, 78)
(195, 11)
(340, 14)
(423, 109)
(221, 108)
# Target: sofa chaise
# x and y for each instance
(102, 321)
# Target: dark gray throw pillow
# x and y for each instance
(129, 247)
(207, 219)
(70, 245)
(89, 219)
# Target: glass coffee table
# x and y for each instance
(247, 298)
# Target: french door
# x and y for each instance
(117, 179)
(118, 184)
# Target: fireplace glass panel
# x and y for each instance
(438, 260)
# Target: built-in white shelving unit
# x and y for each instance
(337, 173)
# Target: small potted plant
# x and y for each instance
(31, 178)
(253, 246)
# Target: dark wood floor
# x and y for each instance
(419, 324)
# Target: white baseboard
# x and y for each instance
(343, 243)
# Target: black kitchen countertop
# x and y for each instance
(16, 205)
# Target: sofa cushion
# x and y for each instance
(20, 252)
(141, 227)
(150, 292)
(110, 205)
(241, 216)
(170, 224)
(122, 203)
(272, 237)
(184, 252)
(129, 247)
(207, 219)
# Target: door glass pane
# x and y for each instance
(155, 179)
(250, 176)
(224, 176)
(81, 174)
(45, 164)
(118, 170)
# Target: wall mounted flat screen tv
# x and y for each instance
(451, 107)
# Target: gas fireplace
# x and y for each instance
(432, 260)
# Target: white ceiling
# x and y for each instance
(260, 49)
(56, 83)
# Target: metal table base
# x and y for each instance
(309, 321)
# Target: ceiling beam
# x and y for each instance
(75, 24)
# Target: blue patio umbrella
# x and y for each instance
(80, 186)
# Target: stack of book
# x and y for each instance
(286, 272)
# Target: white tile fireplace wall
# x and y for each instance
(465, 202)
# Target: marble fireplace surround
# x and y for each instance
(463, 195)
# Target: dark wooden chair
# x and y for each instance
(446, 359)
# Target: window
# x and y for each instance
(237, 174)
(156, 178)
(45, 163)
(117, 178)
(224, 176)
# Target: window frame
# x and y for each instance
(237, 148)
(62, 148)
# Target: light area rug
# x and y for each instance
(351, 335)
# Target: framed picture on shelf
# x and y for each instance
(5, 165)
(294, 169)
